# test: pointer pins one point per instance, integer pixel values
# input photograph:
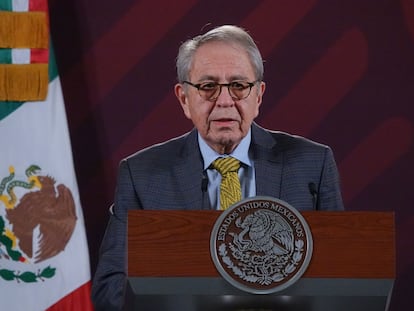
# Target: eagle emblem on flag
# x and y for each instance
(36, 222)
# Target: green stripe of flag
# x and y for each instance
(7, 108)
(6, 5)
(53, 72)
(5, 55)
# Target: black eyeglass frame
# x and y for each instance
(228, 85)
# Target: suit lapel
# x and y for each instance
(190, 172)
(268, 163)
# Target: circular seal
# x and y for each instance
(261, 245)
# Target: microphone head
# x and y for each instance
(312, 188)
(204, 184)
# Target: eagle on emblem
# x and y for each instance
(44, 220)
(266, 231)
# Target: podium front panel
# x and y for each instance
(170, 267)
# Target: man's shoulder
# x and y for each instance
(163, 151)
(287, 140)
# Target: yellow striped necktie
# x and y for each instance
(230, 189)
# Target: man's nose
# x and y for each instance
(224, 98)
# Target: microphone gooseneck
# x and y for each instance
(314, 192)
(204, 183)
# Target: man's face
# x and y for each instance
(223, 122)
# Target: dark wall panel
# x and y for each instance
(337, 71)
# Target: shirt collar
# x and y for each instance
(241, 152)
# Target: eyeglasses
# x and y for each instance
(210, 91)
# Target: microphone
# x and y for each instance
(314, 192)
(112, 212)
(204, 183)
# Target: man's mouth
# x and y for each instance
(224, 121)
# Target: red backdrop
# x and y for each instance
(340, 72)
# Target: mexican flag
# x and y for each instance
(44, 262)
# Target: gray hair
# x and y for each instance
(226, 33)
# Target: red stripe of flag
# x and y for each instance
(79, 299)
(38, 5)
(39, 55)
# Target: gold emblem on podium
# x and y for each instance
(261, 245)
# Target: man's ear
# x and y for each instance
(261, 90)
(182, 98)
(259, 96)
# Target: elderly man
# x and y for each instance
(220, 88)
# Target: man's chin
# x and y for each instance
(229, 139)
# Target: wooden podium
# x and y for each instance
(170, 267)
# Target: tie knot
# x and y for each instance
(225, 165)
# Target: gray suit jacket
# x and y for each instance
(169, 176)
